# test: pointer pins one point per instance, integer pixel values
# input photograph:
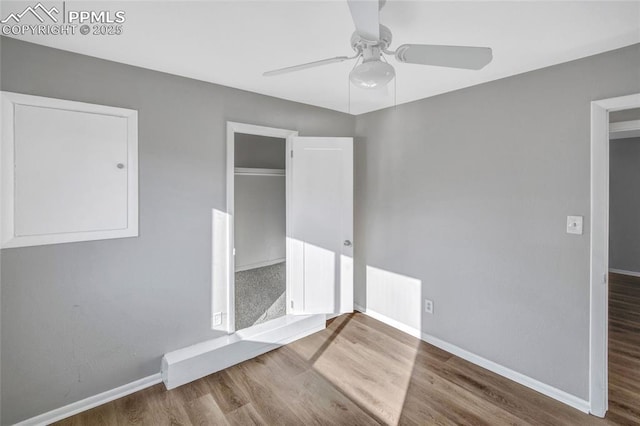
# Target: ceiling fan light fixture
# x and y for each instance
(372, 74)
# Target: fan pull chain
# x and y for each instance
(348, 96)
(395, 91)
(395, 85)
(349, 85)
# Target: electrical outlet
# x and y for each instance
(217, 318)
(428, 306)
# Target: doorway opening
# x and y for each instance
(624, 262)
(259, 229)
(257, 208)
(600, 247)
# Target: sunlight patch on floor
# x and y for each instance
(362, 372)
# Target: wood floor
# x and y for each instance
(362, 372)
(624, 349)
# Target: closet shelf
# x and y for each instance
(251, 171)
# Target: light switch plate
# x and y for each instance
(574, 225)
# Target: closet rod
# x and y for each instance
(250, 171)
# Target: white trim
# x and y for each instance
(623, 272)
(231, 266)
(599, 250)
(624, 129)
(7, 190)
(289, 309)
(91, 402)
(219, 274)
(232, 129)
(191, 363)
(536, 385)
(260, 264)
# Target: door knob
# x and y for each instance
(347, 243)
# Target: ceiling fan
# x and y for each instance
(371, 42)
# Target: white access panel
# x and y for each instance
(66, 171)
(69, 171)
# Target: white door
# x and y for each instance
(320, 228)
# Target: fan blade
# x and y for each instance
(473, 58)
(366, 17)
(307, 65)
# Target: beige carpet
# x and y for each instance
(260, 295)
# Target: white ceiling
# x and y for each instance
(232, 43)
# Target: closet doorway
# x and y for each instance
(257, 202)
(260, 229)
(316, 181)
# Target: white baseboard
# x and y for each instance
(536, 385)
(260, 264)
(623, 272)
(91, 402)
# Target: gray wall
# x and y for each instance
(624, 205)
(624, 115)
(259, 151)
(259, 220)
(82, 318)
(468, 192)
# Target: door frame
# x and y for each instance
(599, 248)
(251, 129)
